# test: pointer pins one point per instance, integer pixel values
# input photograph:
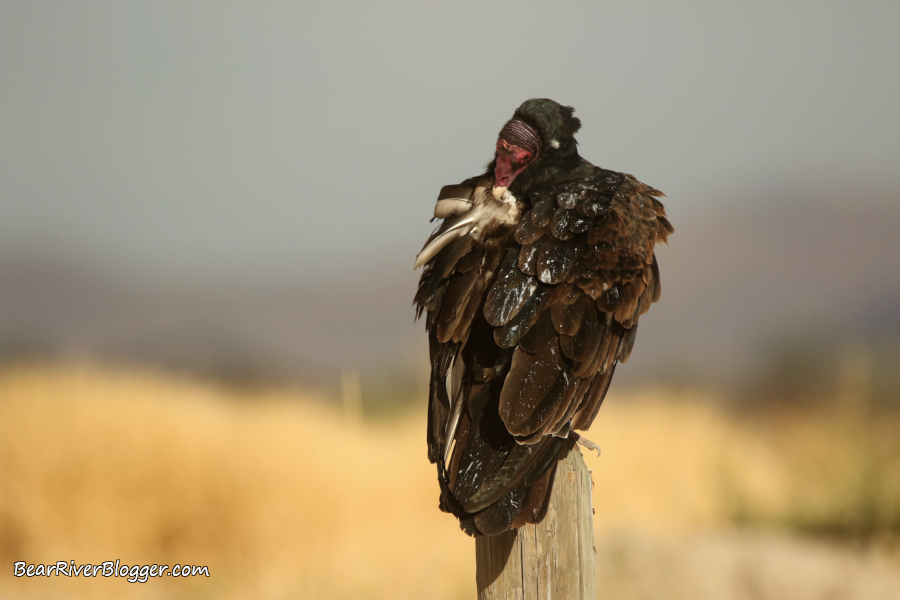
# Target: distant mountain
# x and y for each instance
(732, 280)
(47, 308)
(740, 278)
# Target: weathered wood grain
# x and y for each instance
(554, 559)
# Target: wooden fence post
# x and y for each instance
(554, 559)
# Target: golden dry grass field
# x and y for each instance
(281, 498)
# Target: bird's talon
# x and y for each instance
(584, 442)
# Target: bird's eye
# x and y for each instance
(522, 156)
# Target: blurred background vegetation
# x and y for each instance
(283, 493)
(208, 218)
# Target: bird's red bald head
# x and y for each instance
(518, 146)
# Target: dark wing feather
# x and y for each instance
(509, 335)
(509, 294)
(532, 321)
(531, 378)
(555, 261)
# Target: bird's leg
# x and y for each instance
(583, 441)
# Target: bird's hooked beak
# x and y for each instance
(504, 173)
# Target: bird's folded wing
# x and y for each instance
(524, 343)
(568, 297)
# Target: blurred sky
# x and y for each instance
(234, 183)
(184, 141)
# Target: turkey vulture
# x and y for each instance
(533, 284)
